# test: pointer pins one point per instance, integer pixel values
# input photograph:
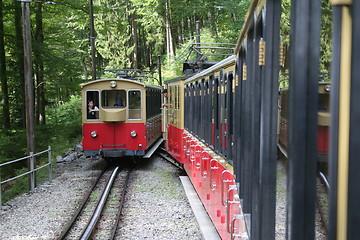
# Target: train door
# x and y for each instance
(114, 99)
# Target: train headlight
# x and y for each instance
(94, 134)
(113, 84)
(133, 134)
(327, 88)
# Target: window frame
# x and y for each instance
(114, 107)
(86, 104)
(141, 104)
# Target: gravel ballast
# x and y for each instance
(156, 206)
(41, 214)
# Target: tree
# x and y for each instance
(3, 77)
(39, 66)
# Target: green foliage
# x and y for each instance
(68, 113)
(61, 133)
(16, 187)
(172, 69)
(325, 37)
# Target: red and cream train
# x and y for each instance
(121, 117)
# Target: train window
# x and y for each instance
(134, 104)
(92, 100)
(113, 98)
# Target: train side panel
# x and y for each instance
(199, 149)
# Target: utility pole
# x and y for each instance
(29, 84)
(92, 41)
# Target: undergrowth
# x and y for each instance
(62, 131)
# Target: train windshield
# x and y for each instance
(134, 104)
(113, 98)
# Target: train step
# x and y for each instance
(153, 148)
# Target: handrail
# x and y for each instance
(31, 171)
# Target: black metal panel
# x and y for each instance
(186, 106)
(236, 118)
(193, 102)
(246, 120)
(229, 128)
(202, 110)
(223, 113)
(195, 112)
(209, 112)
(269, 118)
(255, 77)
(198, 107)
(333, 145)
(242, 99)
(302, 128)
(353, 231)
(216, 114)
(191, 105)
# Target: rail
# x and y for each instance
(32, 170)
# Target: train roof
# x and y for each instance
(226, 61)
(178, 79)
(120, 79)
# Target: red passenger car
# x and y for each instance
(121, 117)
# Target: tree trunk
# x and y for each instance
(92, 41)
(20, 89)
(180, 31)
(39, 67)
(190, 30)
(3, 77)
(130, 42)
(134, 36)
(212, 23)
(170, 46)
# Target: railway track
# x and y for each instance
(99, 214)
(321, 198)
(166, 156)
(323, 189)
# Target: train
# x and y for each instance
(200, 139)
(121, 117)
(323, 128)
(225, 124)
(222, 123)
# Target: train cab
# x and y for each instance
(121, 117)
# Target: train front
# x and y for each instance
(114, 117)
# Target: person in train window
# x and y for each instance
(166, 95)
(92, 109)
(118, 101)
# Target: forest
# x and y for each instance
(127, 34)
